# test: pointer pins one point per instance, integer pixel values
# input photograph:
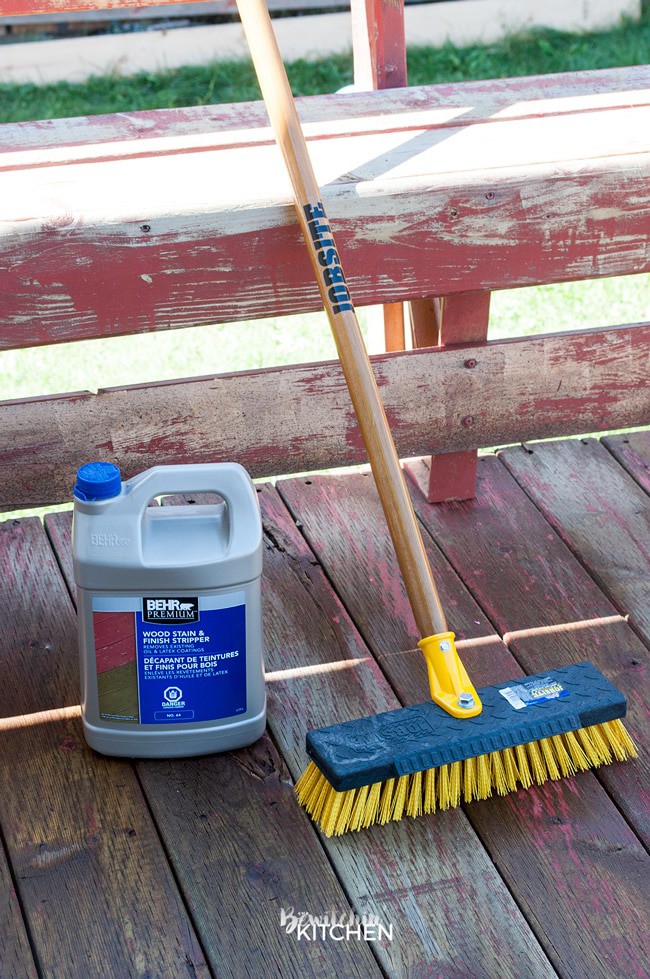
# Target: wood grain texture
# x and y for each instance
(518, 389)
(633, 453)
(598, 511)
(530, 184)
(463, 319)
(15, 954)
(76, 827)
(378, 44)
(85, 12)
(241, 850)
(244, 850)
(546, 606)
(341, 517)
(47, 6)
(183, 129)
(550, 843)
(428, 877)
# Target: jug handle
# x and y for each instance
(228, 479)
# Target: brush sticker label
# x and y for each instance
(534, 692)
(170, 659)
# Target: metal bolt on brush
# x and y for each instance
(466, 701)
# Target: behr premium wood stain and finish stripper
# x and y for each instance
(170, 620)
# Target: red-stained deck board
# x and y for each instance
(550, 843)
(114, 639)
(77, 832)
(544, 603)
(600, 513)
(633, 453)
(306, 631)
(542, 883)
(428, 876)
(15, 955)
(241, 849)
(184, 128)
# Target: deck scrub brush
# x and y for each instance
(462, 745)
(415, 760)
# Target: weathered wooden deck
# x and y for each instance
(182, 868)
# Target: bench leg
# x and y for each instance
(379, 56)
(379, 53)
(456, 319)
(378, 44)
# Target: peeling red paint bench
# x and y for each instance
(116, 225)
(157, 220)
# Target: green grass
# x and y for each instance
(538, 52)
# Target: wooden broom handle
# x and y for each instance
(398, 510)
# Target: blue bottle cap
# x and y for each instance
(98, 481)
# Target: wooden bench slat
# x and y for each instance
(597, 510)
(519, 389)
(75, 280)
(53, 6)
(132, 134)
(77, 831)
(435, 895)
(545, 604)
(531, 834)
(239, 843)
(85, 10)
(553, 189)
(633, 453)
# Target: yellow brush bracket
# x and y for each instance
(449, 683)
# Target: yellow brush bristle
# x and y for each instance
(372, 806)
(564, 760)
(343, 818)
(499, 778)
(578, 757)
(475, 778)
(359, 808)
(523, 771)
(430, 790)
(536, 762)
(331, 811)
(549, 759)
(386, 802)
(443, 787)
(469, 780)
(455, 777)
(415, 802)
(510, 767)
(484, 777)
(618, 739)
(399, 798)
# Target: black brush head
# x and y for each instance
(412, 739)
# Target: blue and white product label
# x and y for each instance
(534, 692)
(191, 657)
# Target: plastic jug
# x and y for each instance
(169, 611)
